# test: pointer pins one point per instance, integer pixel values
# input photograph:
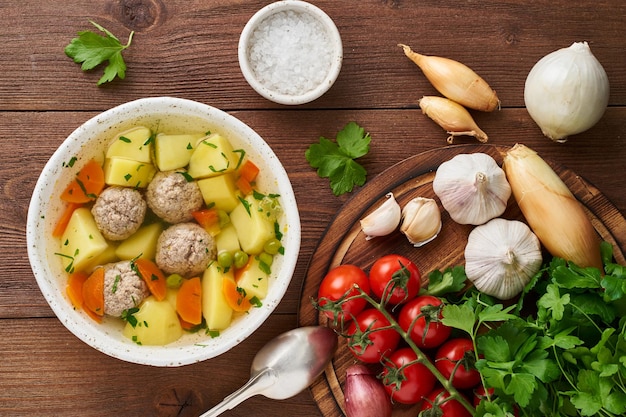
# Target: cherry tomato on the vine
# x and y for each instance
(395, 279)
(410, 384)
(456, 356)
(338, 282)
(422, 315)
(366, 342)
(481, 394)
(441, 406)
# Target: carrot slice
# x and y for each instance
(87, 185)
(153, 277)
(186, 325)
(189, 301)
(249, 171)
(235, 296)
(65, 219)
(93, 292)
(244, 185)
(75, 288)
(93, 316)
(209, 219)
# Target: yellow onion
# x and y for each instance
(551, 210)
(455, 80)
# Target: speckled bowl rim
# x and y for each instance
(45, 208)
(300, 6)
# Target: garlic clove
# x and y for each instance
(472, 188)
(382, 221)
(501, 257)
(421, 221)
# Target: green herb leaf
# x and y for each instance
(91, 50)
(336, 161)
(451, 280)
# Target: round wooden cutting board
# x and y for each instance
(344, 242)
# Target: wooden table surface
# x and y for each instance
(188, 49)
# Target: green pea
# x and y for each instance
(225, 259)
(174, 281)
(240, 259)
(272, 246)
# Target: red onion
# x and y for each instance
(365, 394)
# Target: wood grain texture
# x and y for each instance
(188, 49)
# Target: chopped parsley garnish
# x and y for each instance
(116, 281)
(246, 205)
(129, 316)
(256, 302)
(125, 139)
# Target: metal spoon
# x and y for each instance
(285, 366)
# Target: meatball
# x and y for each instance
(185, 249)
(119, 212)
(123, 288)
(172, 197)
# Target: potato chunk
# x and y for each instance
(220, 192)
(213, 156)
(141, 244)
(252, 225)
(253, 279)
(156, 324)
(215, 308)
(82, 241)
(133, 144)
(128, 173)
(174, 151)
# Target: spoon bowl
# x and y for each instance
(285, 366)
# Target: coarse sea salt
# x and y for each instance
(290, 53)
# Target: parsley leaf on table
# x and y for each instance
(336, 161)
(92, 49)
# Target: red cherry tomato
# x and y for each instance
(339, 281)
(480, 394)
(458, 353)
(371, 346)
(422, 315)
(407, 385)
(395, 277)
(450, 408)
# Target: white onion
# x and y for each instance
(567, 92)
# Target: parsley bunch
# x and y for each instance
(91, 50)
(336, 161)
(567, 357)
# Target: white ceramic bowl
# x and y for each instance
(89, 141)
(265, 79)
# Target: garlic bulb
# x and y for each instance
(501, 257)
(384, 220)
(421, 221)
(567, 92)
(472, 188)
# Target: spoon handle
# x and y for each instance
(254, 386)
